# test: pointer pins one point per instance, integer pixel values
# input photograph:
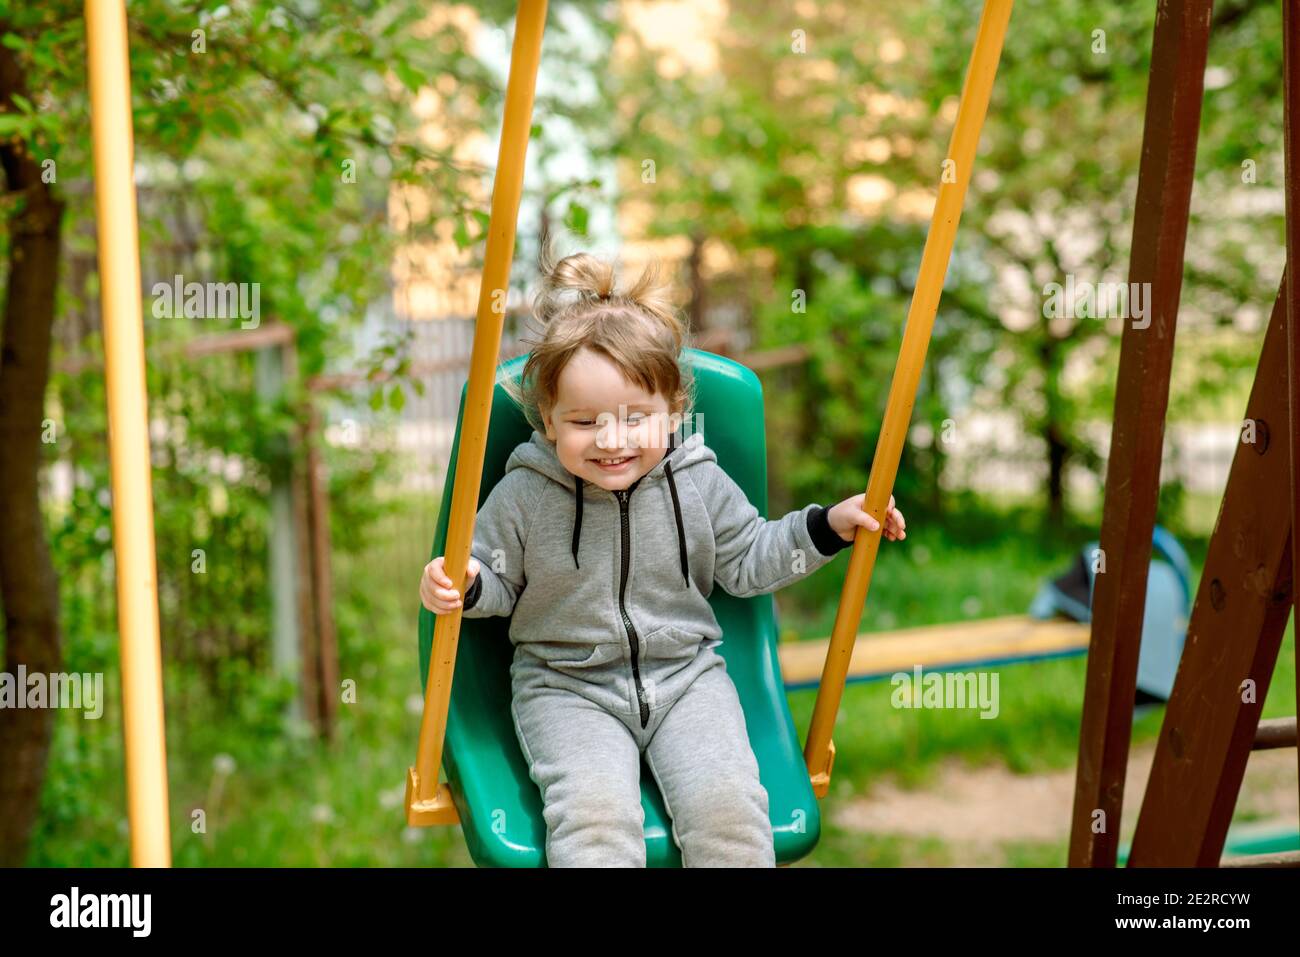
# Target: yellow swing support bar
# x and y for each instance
(427, 802)
(128, 433)
(819, 751)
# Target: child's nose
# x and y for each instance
(612, 439)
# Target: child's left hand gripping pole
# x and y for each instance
(819, 751)
(428, 803)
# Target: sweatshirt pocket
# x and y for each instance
(671, 643)
(576, 659)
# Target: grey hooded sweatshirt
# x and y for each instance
(608, 590)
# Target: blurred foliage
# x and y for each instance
(271, 141)
(808, 161)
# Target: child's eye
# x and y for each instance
(634, 417)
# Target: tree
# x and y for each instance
(811, 103)
(34, 217)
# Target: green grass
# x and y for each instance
(291, 801)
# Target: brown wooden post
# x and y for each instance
(322, 572)
(1291, 185)
(1173, 115)
(1233, 637)
(308, 626)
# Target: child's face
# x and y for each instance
(600, 415)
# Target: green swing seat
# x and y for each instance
(499, 806)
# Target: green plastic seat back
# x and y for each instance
(499, 805)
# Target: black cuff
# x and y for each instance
(826, 539)
(471, 595)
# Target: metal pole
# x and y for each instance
(819, 751)
(128, 433)
(426, 803)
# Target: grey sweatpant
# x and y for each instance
(587, 761)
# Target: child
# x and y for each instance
(604, 546)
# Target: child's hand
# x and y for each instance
(435, 587)
(848, 515)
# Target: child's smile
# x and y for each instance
(614, 465)
(606, 429)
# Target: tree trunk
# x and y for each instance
(28, 589)
(698, 288)
(1055, 435)
(1057, 453)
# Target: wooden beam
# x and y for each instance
(267, 336)
(1275, 733)
(1238, 618)
(1291, 157)
(1280, 859)
(308, 627)
(964, 644)
(1173, 114)
(322, 573)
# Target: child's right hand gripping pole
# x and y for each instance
(819, 751)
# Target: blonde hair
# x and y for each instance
(580, 307)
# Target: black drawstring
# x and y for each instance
(577, 518)
(677, 514)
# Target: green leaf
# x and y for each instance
(224, 122)
(461, 234)
(397, 399)
(411, 78)
(576, 218)
(377, 399)
(11, 123)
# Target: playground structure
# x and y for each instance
(1212, 721)
(479, 747)
(1241, 607)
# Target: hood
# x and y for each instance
(538, 454)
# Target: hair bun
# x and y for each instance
(574, 278)
(584, 278)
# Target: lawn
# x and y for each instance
(271, 798)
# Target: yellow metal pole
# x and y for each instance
(128, 434)
(426, 802)
(819, 750)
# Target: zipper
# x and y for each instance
(623, 496)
